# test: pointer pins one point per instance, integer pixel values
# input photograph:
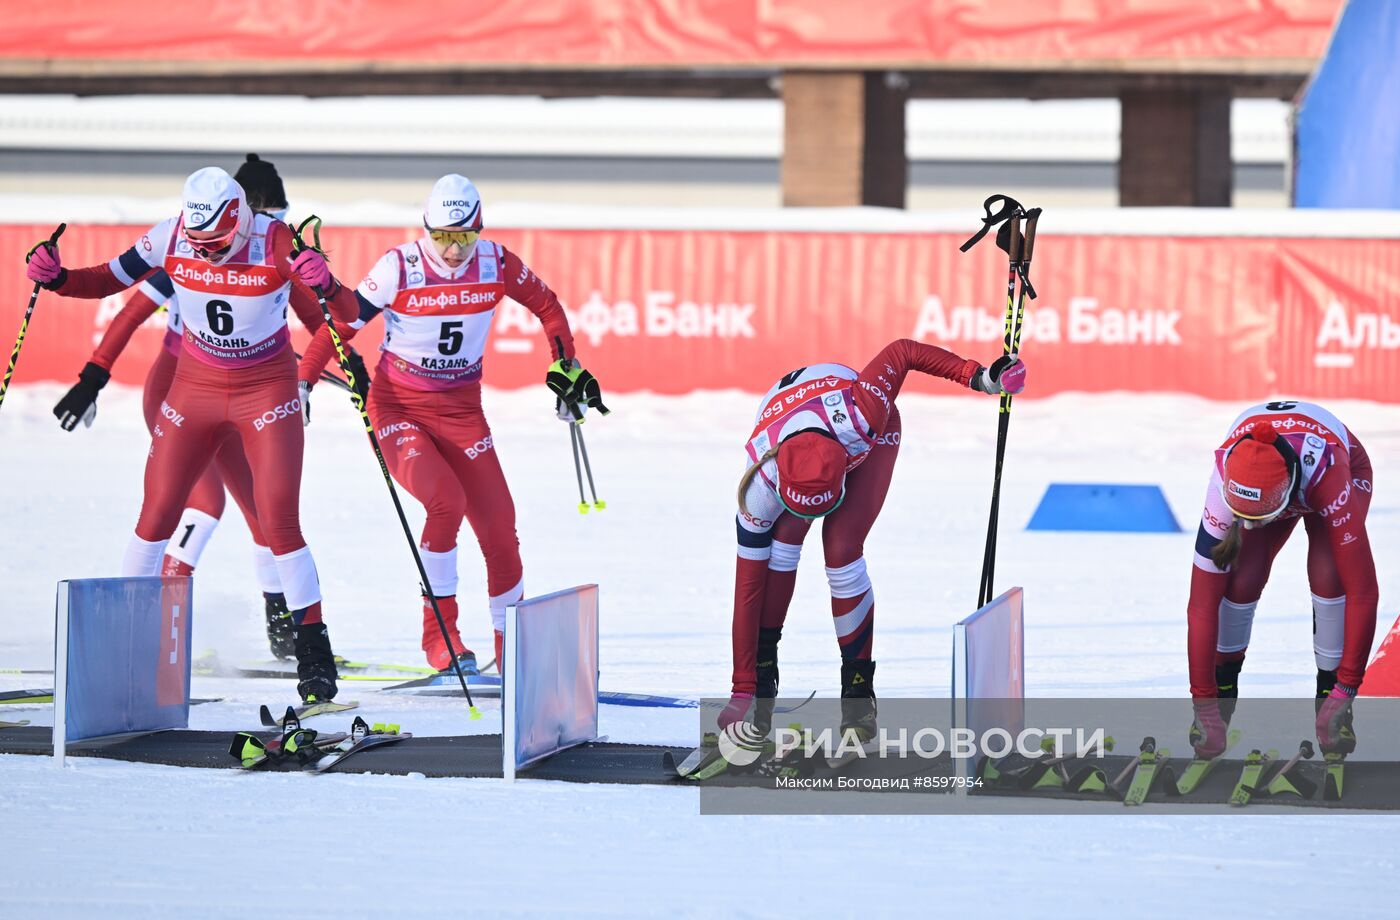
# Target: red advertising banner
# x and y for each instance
(661, 33)
(677, 310)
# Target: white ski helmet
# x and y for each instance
(453, 202)
(214, 202)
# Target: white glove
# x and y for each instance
(304, 389)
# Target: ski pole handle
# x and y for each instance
(1028, 249)
(24, 324)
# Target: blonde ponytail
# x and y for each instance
(749, 474)
(1228, 550)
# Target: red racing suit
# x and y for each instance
(425, 403)
(1332, 498)
(858, 410)
(229, 467)
(235, 378)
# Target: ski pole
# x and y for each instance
(1149, 745)
(24, 326)
(578, 473)
(1024, 243)
(576, 441)
(1003, 416)
(1018, 247)
(583, 449)
(379, 454)
(1008, 224)
(1282, 782)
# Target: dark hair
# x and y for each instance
(261, 184)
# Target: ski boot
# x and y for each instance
(466, 660)
(316, 673)
(434, 645)
(1326, 680)
(858, 707)
(766, 688)
(279, 627)
(1227, 687)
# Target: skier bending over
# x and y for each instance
(824, 445)
(1282, 462)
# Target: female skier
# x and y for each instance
(205, 505)
(1282, 462)
(232, 272)
(438, 295)
(824, 445)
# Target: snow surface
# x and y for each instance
(1105, 615)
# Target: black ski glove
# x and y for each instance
(80, 403)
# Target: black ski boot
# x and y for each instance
(766, 688)
(316, 674)
(1227, 687)
(1326, 680)
(858, 707)
(279, 627)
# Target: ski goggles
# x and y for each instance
(214, 246)
(463, 238)
(1253, 521)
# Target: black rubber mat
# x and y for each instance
(1370, 785)
(458, 755)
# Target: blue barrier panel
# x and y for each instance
(550, 669)
(1347, 152)
(989, 668)
(123, 656)
(1110, 507)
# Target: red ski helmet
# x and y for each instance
(1261, 472)
(811, 473)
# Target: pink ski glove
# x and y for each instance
(736, 711)
(1208, 731)
(1334, 729)
(44, 264)
(311, 267)
(1006, 375)
(1012, 375)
